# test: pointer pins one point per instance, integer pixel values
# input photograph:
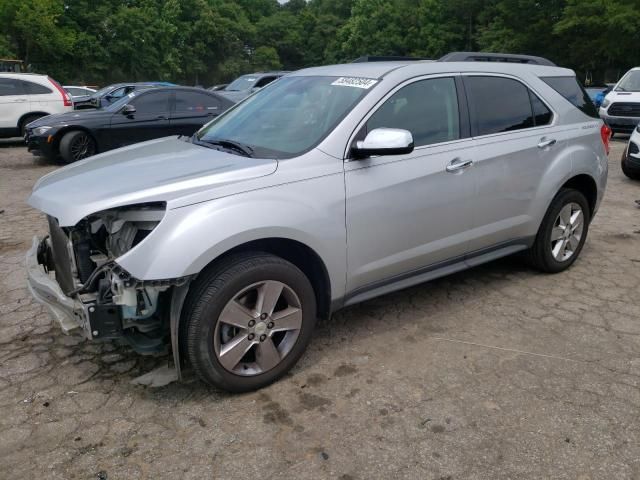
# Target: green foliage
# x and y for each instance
(212, 41)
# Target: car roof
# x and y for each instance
(19, 75)
(427, 67)
(190, 89)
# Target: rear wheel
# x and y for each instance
(248, 321)
(76, 145)
(562, 233)
(26, 121)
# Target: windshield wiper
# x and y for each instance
(245, 150)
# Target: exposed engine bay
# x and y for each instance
(114, 304)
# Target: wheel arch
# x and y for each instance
(57, 138)
(586, 185)
(36, 113)
(294, 251)
(299, 254)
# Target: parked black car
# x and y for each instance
(112, 93)
(141, 115)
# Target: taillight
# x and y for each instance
(65, 96)
(605, 133)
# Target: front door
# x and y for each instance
(408, 214)
(149, 121)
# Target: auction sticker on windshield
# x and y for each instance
(357, 82)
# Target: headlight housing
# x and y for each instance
(125, 227)
(605, 103)
(41, 130)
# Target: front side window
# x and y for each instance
(498, 104)
(264, 81)
(9, 86)
(427, 108)
(289, 117)
(154, 102)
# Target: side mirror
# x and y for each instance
(128, 109)
(384, 141)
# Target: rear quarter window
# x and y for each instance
(570, 89)
(36, 89)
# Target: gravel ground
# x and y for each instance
(497, 372)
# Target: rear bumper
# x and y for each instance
(69, 313)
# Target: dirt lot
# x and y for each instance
(498, 372)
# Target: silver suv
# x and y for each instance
(329, 187)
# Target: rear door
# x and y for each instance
(149, 121)
(41, 97)
(14, 103)
(516, 141)
(193, 109)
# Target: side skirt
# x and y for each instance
(437, 270)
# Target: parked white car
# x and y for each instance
(25, 97)
(76, 91)
(620, 108)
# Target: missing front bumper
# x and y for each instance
(44, 288)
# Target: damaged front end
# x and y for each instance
(74, 272)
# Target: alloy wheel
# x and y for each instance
(257, 328)
(82, 147)
(567, 232)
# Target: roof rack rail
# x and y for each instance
(386, 58)
(495, 57)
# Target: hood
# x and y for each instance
(165, 170)
(623, 96)
(68, 118)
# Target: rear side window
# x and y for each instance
(498, 104)
(9, 86)
(541, 113)
(570, 89)
(196, 102)
(427, 108)
(36, 89)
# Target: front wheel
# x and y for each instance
(248, 321)
(630, 172)
(76, 145)
(562, 233)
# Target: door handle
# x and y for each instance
(456, 164)
(20, 100)
(162, 117)
(546, 143)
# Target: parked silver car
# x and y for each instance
(329, 187)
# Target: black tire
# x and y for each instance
(76, 145)
(26, 121)
(209, 295)
(632, 173)
(540, 255)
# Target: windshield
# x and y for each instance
(289, 116)
(102, 91)
(244, 82)
(630, 82)
(121, 102)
